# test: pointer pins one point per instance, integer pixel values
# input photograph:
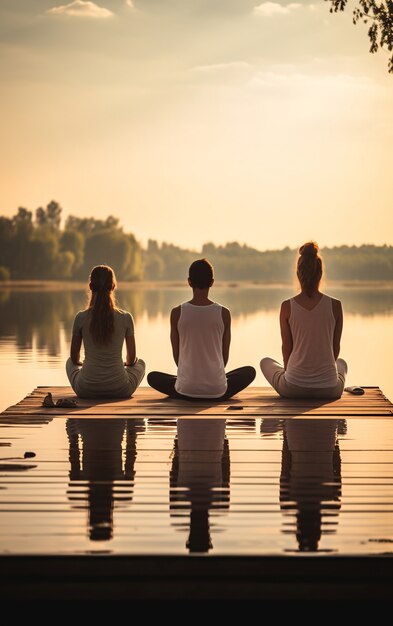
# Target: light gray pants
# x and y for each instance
(274, 374)
(135, 374)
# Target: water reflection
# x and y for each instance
(310, 482)
(243, 300)
(103, 452)
(37, 317)
(96, 458)
(151, 486)
(199, 479)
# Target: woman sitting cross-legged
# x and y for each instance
(311, 326)
(103, 328)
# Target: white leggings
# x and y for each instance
(274, 374)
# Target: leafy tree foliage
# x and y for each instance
(378, 15)
(73, 242)
(89, 225)
(41, 249)
(50, 216)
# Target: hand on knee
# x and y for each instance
(342, 366)
(265, 363)
(141, 364)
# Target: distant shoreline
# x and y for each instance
(69, 285)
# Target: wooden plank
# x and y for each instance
(249, 392)
(256, 401)
(234, 405)
(169, 409)
(257, 393)
(147, 393)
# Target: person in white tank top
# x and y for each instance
(311, 327)
(200, 338)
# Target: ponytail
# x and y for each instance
(102, 303)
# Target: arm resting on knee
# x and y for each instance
(286, 334)
(338, 329)
(75, 352)
(131, 350)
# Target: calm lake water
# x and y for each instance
(35, 328)
(165, 486)
(210, 486)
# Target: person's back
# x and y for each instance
(200, 338)
(103, 329)
(103, 367)
(311, 326)
(201, 368)
(312, 359)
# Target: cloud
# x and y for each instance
(81, 8)
(218, 67)
(222, 73)
(315, 84)
(196, 8)
(268, 9)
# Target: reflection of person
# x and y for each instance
(199, 477)
(200, 337)
(310, 482)
(311, 326)
(102, 465)
(103, 328)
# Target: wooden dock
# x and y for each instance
(253, 402)
(257, 498)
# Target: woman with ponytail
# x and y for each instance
(103, 328)
(311, 326)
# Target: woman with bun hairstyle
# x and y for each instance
(311, 326)
(103, 328)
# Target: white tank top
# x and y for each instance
(312, 362)
(201, 370)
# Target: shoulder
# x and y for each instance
(122, 314)
(175, 313)
(285, 308)
(81, 315)
(336, 306)
(79, 321)
(124, 318)
(225, 314)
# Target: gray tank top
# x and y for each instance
(312, 362)
(103, 366)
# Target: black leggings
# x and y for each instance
(236, 379)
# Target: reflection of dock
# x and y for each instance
(275, 499)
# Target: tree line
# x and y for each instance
(37, 246)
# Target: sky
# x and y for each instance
(268, 123)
